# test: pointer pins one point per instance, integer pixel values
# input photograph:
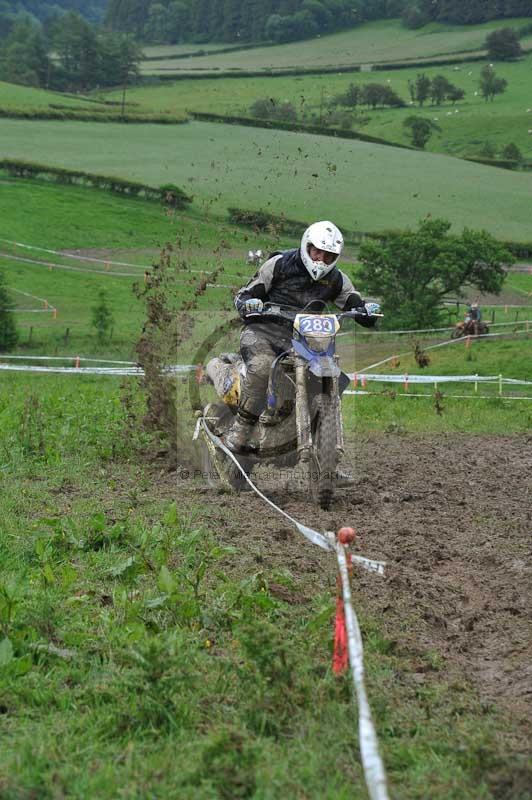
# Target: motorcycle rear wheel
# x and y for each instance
(323, 459)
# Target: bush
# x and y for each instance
(503, 44)
(173, 196)
(263, 221)
(413, 18)
(8, 330)
(271, 108)
(512, 153)
(102, 318)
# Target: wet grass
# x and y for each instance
(141, 654)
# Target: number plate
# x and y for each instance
(316, 324)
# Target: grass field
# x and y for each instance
(13, 96)
(150, 646)
(507, 119)
(121, 677)
(375, 42)
(362, 186)
(103, 226)
(160, 638)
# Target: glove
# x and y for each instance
(372, 308)
(253, 306)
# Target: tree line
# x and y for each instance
(66, 53)
(464, 13)
(93, 10)
(173, 21)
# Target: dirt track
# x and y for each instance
(452, 516)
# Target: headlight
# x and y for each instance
(318, 344)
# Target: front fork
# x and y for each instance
(304, 434)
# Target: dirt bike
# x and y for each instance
(302, 423)
(469, 327)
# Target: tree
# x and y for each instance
(156, 27)
(413, 272)
(76, 46)
(351, 97)
(8, 330)
(413, 18)
(421, 130)
(503, 44)
(24, 56)
(102, 318)
(490, 84)
(512, 153)
(455, 93)
(421, 88)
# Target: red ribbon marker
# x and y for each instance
(340, 657)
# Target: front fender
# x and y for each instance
(324, 367)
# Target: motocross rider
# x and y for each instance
(294, 278)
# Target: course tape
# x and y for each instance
(375, 376)
(449, 396)
(53, 265)
(462, 340)
(48, 307)
(95, 260)
(372, 764)
(448, 328)
(369, 746)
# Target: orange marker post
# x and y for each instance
(405, 382)
(77, 362)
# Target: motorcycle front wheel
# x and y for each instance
(323, 458)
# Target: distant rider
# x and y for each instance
(293, 278)
(473, 317)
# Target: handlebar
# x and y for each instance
(289, 313)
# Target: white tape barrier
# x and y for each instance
(449, 396)
(462, 340)
(67, 358)
(52, 265)
(369, 747)
(93, 259)
(442, 330)
(134, 372)
(406, 378)
(49, 308)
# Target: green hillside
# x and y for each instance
(373, 42)
(362, 186)
(26, 98)
(464, 127)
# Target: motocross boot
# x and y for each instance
(239, 434)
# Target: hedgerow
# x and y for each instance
(94, 115)
(299, 127)
(169, 194)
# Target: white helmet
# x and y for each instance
(324, 236)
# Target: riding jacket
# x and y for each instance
(283, 279)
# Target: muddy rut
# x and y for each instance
(451, 515)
